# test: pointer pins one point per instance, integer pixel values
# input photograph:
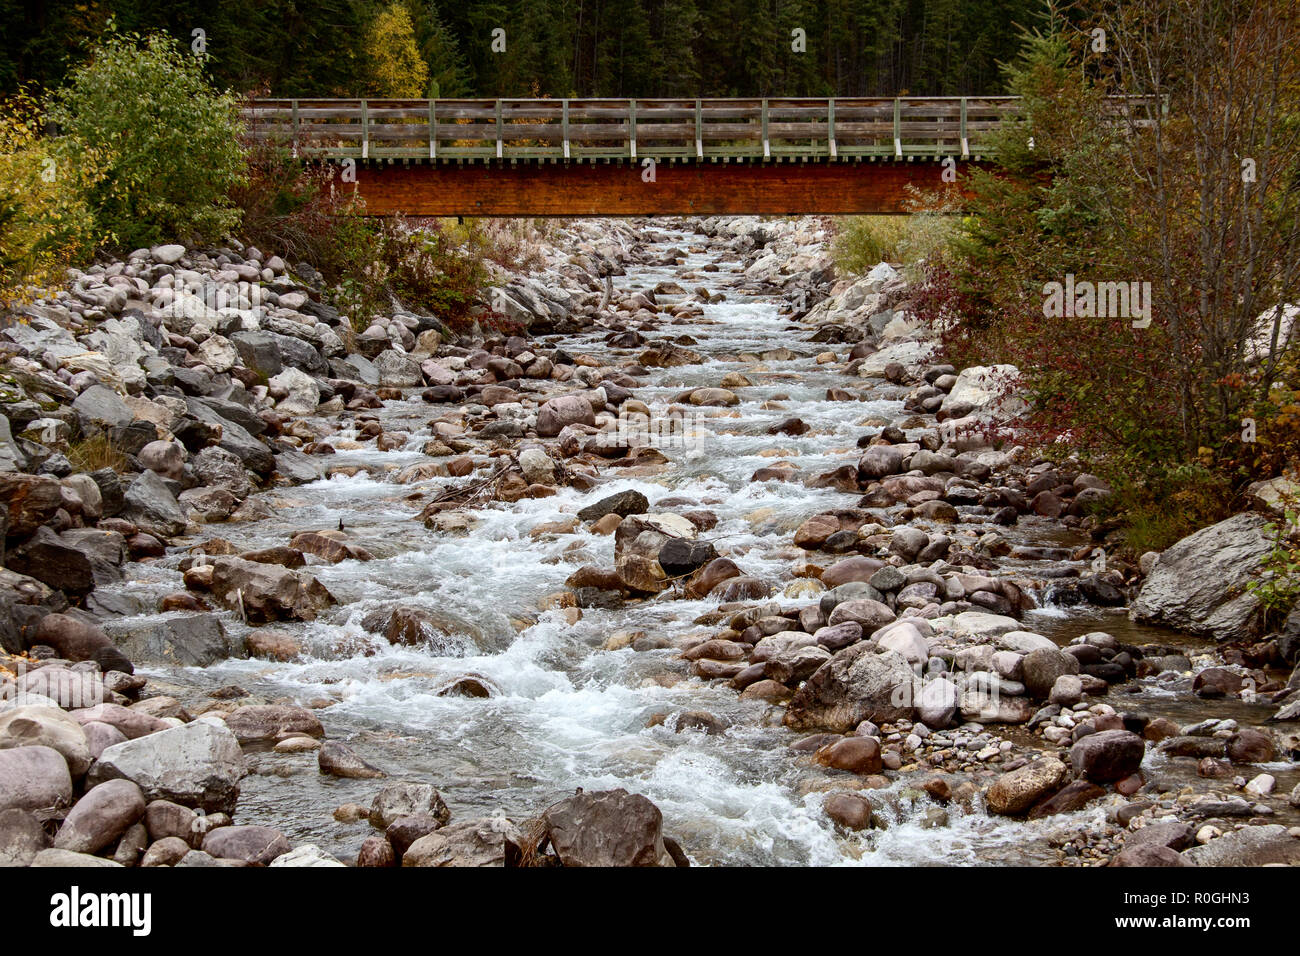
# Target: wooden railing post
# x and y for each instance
(294, 106)
(433, 129)
(564, 124)
(965, 143)
(500, 129)
(365, 130)
(631, 129)
(699, 130)
(898, 136)
(830, 125)
(767, 151)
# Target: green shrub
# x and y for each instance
(168, 140)
(1278, 584)
(1153, 510)
(864, 241)
(909, 240)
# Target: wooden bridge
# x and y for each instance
(573, 157)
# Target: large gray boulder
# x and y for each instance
(861, 682)
(35, 779)
(554, 415)
(1199, 584)
(397, 370)
(1249, 846)
(198, 765)
(194, 640)
(99, 407)
(152, 506)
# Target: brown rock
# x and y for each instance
(854, 754)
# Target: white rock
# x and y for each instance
(1262, 785)
(304, 393)
(169, 254)
(309, 854)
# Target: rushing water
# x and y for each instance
(568, 713)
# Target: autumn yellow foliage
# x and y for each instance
(45, 221)
(395, 67)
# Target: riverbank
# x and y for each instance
(819, 621)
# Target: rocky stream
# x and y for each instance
(718, 564)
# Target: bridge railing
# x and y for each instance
(877, 128)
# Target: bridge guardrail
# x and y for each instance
(878, 128)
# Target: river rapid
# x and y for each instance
(565, 712)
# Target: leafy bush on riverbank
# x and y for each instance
(1162, 404)
(166, 139)
(144, 150)
(910, 240)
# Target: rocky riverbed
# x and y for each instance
(719, 564)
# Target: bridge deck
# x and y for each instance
(630, 130)
(580, 157)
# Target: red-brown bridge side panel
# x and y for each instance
(617, 189)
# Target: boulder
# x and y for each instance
(1016, 791)
(1107, 756)
(31, 501)
(130, 723)
(192, 640)
(101, 817)
(99, 408)
(339, 760)
(309, 854)
(22, 837)
(554, 415)
(1251, 746)
(256, 845)
(938, 703)
(870, 615)
(1041, 668)
(404, 831)
(403, 799)
(478, 842)
(302, 394)
(68, 859)
(1199, 584)
(152, 507)
(51, 561)
(397, 370)
(65, 686)
(271, 723)
(197, 765)
(164, 458)
(75, 638)
(603, 829)
(258, 351)
(1249, 846)
(850, 810)
(265, 592)
(1173, 834)
(855, 754)
(861, 682)
(38, 726)
(35, 779)
(1147, 855)
(623, 503)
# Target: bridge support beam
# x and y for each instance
(617, 189)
